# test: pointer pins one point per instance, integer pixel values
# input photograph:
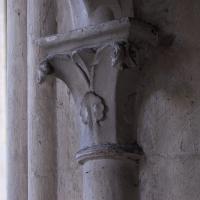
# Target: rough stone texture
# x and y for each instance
(42, 142)
(17, 100)
(118, 8)
(69, 171)
(166, 111)
(168, 104)
(110, 179)
(3, 144)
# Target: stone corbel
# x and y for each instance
(97, 64)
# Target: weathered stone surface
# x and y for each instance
(70, 176)
(42, 142)
(95, 73)
(89, 12)
(69, 173)
(166, 100)
(168, 105)
(168, 125)
(98, 75)
(16, 81)
(164, 106)
(110, 179)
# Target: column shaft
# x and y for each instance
(110, 179)
(17, 100)
(41, 107)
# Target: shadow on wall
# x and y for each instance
(168, 123)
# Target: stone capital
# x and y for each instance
(98, 63)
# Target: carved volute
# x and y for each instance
(98, 65)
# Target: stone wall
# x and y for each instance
(2, 104)
(167, 103)
(168, 118)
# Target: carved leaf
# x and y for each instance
(92, 109)
(45, 69)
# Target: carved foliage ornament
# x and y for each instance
(124, 55)
(92, 109)
(86, 59)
